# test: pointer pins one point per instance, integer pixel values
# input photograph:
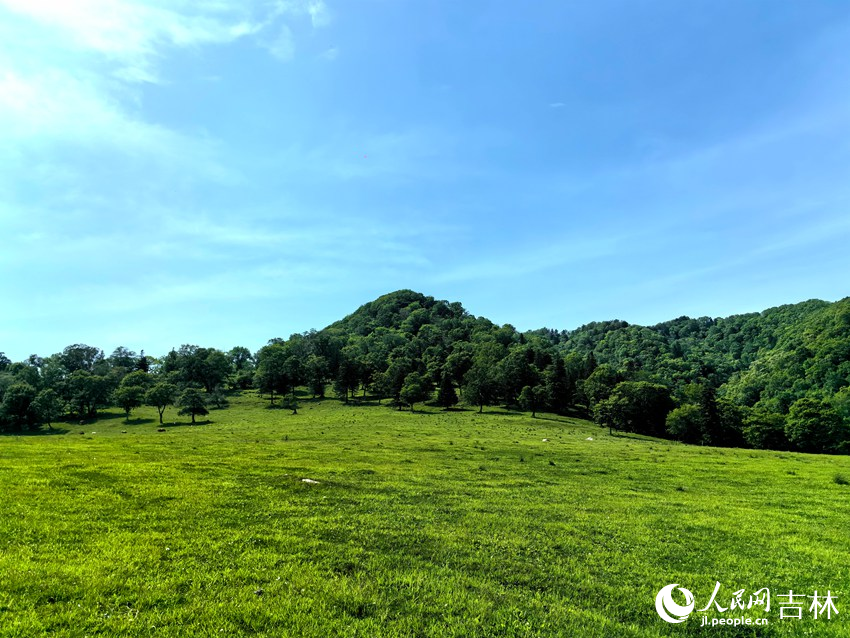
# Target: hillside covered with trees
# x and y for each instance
(778, 379)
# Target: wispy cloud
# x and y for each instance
(316, 10)
(74, 73)
(71, 69)
(282, 45)
(320, 16)
(526, 261)
(129, 33)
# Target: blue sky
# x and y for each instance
(222, 173)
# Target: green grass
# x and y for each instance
(424, 524)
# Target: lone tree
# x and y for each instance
(192, 402)
(161, 396)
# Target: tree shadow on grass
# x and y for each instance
(366, 403)
(498, 412)
(566, 420)
(639, 437)
(183, 424)
(139, 421)
(40, 432)
(100, 416)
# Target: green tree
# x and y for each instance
(121, 357)
(193, 402)
(294, 369)
(446, 394)
(530, 398)
(47, 406)
(514, 372)
(271, 375)
(393, 378)
(87, 392)
(143, 363)
(479, 386)
(347, 377)
(240, 359)
(160, 396)
(316, 371)
(635, 406)
(130, 393)
(459, 361)
(841, 403)
(814, 426)
(685, 423)
(218, 398)
(765, 430)
(128, 397)
(15, 411)
(81, 357)
(416, 388)
(600, 384)
(558, 387)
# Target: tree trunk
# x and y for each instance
(193, 417)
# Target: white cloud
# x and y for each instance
(331, 54)
(71, 70)
(555, 254)
(130, 34)
(320, 16)
(318, 12)
(282, 47)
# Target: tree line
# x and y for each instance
(778, 379)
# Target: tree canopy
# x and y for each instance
(779, 378)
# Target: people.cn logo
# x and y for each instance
(671, 611)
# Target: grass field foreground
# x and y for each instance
(430, 523)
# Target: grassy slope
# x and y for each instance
(438, 524)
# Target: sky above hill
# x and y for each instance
(221, 173)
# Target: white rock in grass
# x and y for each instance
(590, 438)
(545, 440)
(311, 481)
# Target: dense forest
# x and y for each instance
(778, 379)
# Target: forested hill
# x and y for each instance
(779, 378)
(727, 381)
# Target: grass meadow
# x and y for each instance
(430, 523)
